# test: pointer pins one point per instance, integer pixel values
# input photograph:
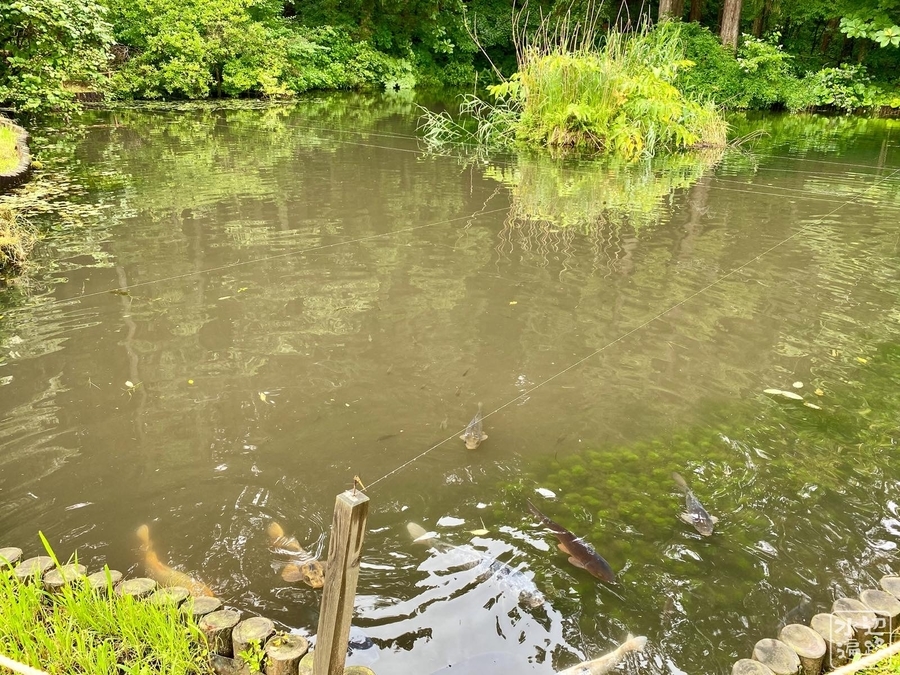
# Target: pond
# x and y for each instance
(242, 307)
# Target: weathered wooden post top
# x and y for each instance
(351, 510)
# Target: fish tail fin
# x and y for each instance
(534, 510)
(275, 530)
(679, 481)
(416, 531)
(143, 535)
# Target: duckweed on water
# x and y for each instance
(78, 630)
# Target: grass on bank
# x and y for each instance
(9, 156)
(572, 90)
(16, 241)
(79, 630)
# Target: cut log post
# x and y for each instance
(100, 582)
(837, 634)
(348, 528)
(780, 659)
(358, 670)
(171, 595)
(255, 629)
(807, 644)
(308, 663)
(216, 628)
(33, 567)
(138, 588)
(200, 606)
(861, 618)
(9, 556)
(886, 608)
(283, 654)
(60, 576)
(750, 667)
(891, 584)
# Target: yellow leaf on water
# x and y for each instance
(262, 397)
(811, 405)
(479, 533)
(835, 352)
(861, 359)
(513, 302)
(129, 384)
(190, 382)
(819, 392)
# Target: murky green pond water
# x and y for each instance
(311, 296)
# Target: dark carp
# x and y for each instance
(474, 433)
(581, 554)
(695, 514)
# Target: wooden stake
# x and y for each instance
(255, 629)
(58, 577)
(781, 659)
(837, 634)
(10, 556)
(808, 645)
(283, 654)
(100, 583)
(750, 667)
(216, 627)
(348, 528)
(861, 618)
(885, 606)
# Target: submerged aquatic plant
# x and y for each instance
(576, 90)
(16, 240)
(80, 630)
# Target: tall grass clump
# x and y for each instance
(80, 630)
(9, 154)
(16, 240)
(575, 89)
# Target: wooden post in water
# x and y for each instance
(351, 509)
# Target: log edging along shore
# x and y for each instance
(828, 643)
(225, 633)
(22, 170)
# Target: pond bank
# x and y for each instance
(15, 157)
(105, 608)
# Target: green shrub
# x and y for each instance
(847, 88)
(46, 43)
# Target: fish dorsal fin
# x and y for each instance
(483, 436)
(575, 561)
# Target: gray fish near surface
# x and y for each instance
(695, 514)
(606, 663)
(508, 577)
(581, 554)
(474, 433)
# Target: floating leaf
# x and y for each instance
(262, 396)
(478, 533)
(784, 394)
(861, 359)
(513, 302)
(819, 392)
(450, 521)
(190, 382)
(798, 385)
(129, 384)
(811, 405)
(544, 492)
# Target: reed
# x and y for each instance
(79, 630)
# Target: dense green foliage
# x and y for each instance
(46, 43)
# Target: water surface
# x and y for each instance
(244, 308)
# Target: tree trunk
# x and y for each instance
(762, 19)
(731, 23)
(829, 33)
(671, 9)
(696, 10)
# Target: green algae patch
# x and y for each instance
(78, 629)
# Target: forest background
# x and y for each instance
(755, 54)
